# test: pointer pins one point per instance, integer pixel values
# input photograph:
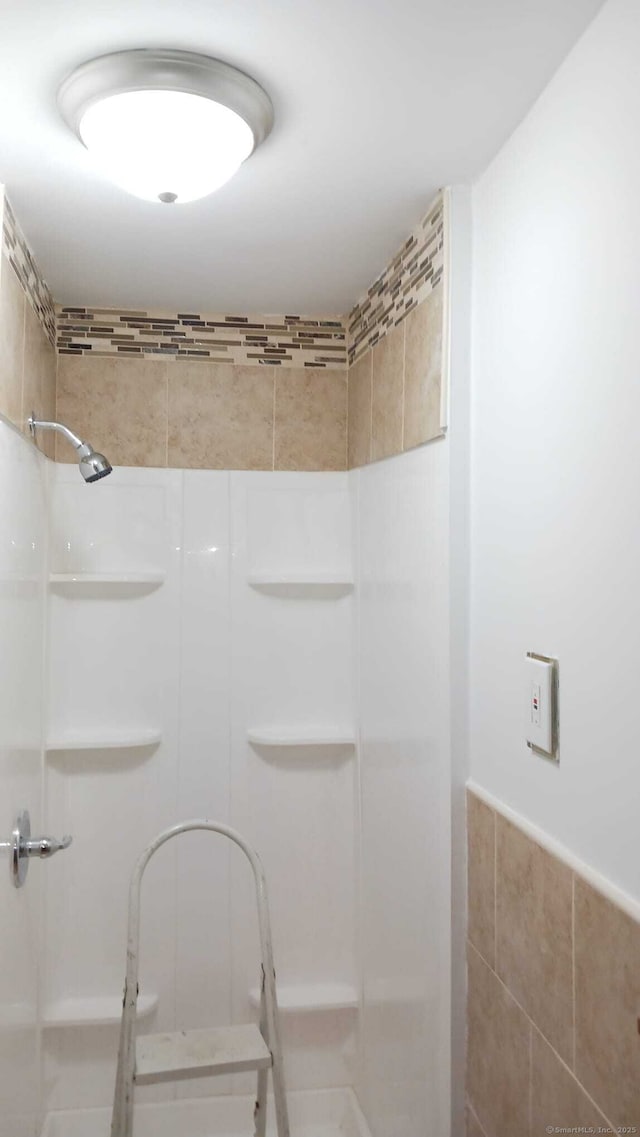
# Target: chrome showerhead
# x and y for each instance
(93, 465)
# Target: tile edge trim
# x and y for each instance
(600, 883)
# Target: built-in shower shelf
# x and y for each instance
(312, 997)
(114, 740)
(329, 583)
(97, 1010)
(300, 736)
(110, 579)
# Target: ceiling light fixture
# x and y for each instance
(168, 126)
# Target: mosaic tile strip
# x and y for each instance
(20, 257)
(412, 275)
(287, 341)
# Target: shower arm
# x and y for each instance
(83, 448)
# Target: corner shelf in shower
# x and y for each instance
(79, 580)
(299, 736)
(305, 997)
(95, 1010)
(116, 740)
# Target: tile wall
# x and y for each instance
(396, 352)
(414, 273)
(286, 341)
(27, 353)
(205, 415)
(201, 391)
(554, 992)
(395, 387)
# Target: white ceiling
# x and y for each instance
(377, 103)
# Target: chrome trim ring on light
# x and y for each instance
(147, 69)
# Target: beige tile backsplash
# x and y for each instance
(556, 1094)
(310, 419)
(423, 370)
(607, 979)
(359, 412)
(120, 407)
(533, 933)
(395, 387)
(220, 416)
(205, 415)
(388, 394)
(560, 996)
(499, 1041)
(481, 859)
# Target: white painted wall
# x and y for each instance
(556, 456)
(401, 509)
(204, 658)
(23, 518)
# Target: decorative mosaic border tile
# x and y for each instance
(20, 257)
(412, 275)
(288, 341)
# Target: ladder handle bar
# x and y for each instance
(195, 825)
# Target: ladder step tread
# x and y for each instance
(194, 1053)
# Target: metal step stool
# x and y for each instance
(198, 1053)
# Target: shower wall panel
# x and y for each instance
(244, 632)
(23, 515)
(401, 538)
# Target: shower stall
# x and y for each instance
(268, 650)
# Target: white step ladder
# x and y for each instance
(197, 1053)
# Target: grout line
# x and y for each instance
(573, 969)
(495, 890)
(346, 439)
(370, 458)
(473, 1113)
(24, 413)
(273, 427)
(530, 1078)
(403, 325)
(166, 433)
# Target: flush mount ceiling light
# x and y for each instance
(168, 126)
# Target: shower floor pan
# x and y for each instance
(313, 1113)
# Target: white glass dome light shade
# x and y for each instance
(169, 126)
(168, 146)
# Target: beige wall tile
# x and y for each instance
(423, 371)
(388, 386)
(558, 1100)
(498, 1054)
(119, 405)
(220, 416)
(39, 379)
(12, 310)
(474, 1128)
(534, 952)
(311, 419)
(359, 416)
(481, 825)
(607, 1005)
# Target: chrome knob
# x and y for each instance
(44, 847)
(21, 848)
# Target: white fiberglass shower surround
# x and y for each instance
(269, 650)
